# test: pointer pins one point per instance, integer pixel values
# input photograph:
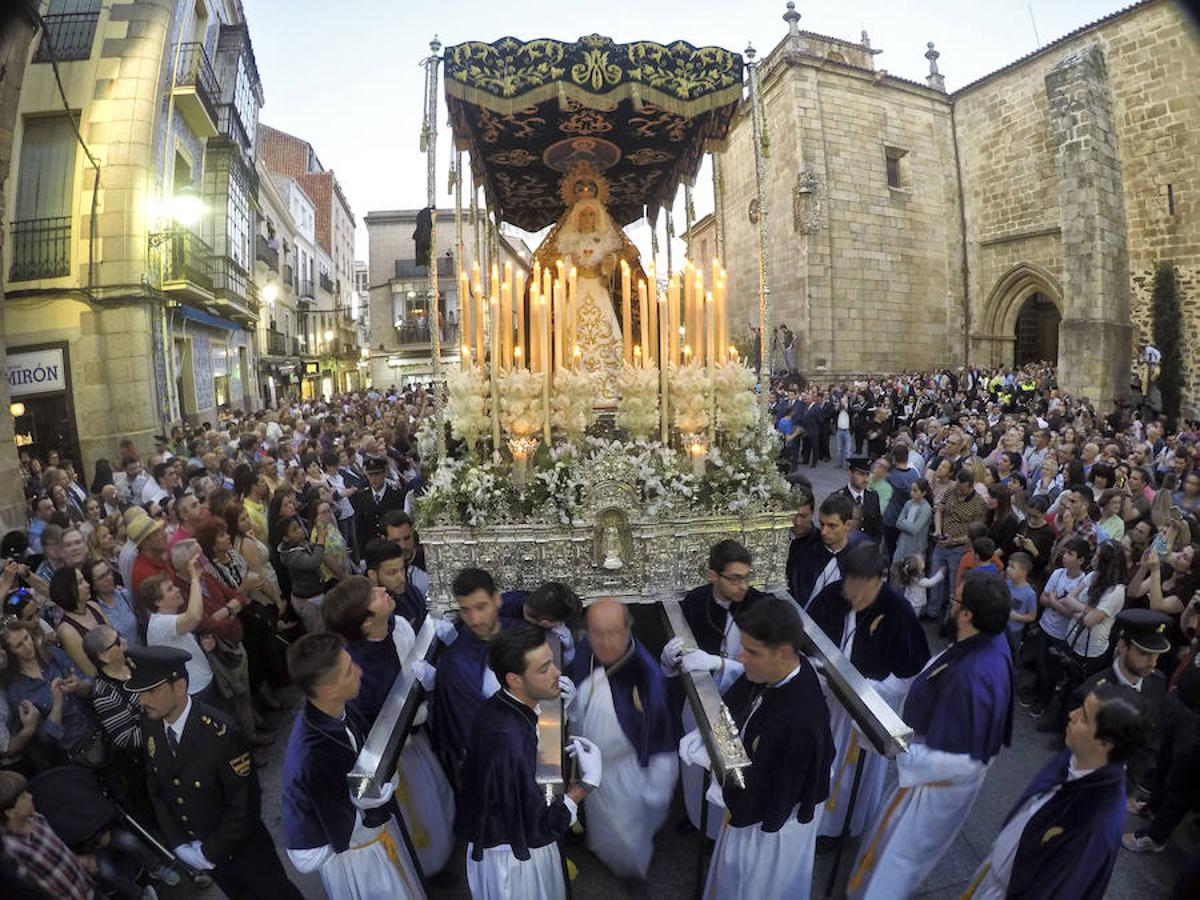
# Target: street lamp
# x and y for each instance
(328, 336)
(270, 293)
(187, 208)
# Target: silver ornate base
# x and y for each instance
(608, 557)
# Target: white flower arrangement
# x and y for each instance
(689, 398)
(572, 402)
(637, 406)
(466, 394)
(520, 402)
(736, 404)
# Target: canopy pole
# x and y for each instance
(459, 245)
(760, 177)
(718, 203)
(435, 317)
(670, 226)
(689, 216)
(476, 225)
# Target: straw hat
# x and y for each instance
(141, 528)
(133, 512)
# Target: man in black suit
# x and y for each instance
(372, 503)
(868, 517)
(202, 781)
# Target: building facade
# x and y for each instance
(332, 335)
(1019, 218)
(129, 285)
(400, 342)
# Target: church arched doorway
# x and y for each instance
(1037, 330)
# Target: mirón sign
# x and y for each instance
(36, 372)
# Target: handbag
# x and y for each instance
(93, 751)
(229, 667)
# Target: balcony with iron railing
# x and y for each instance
(266, 254)
(186, 264)
(69, 35)
(417, 333)
(229, 124)
(279, 344)
(408, 268)
(196, 89)
(41, 248)
(234, 288)
(304, 290)
(326, 283)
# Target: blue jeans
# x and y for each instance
(940, 593)
(845, 446)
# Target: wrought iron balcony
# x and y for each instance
(69, 35)
(304, 290)
(266, 254)
(197, 90)
(229, 123)
(418, 333)
(408, 268)
(187, 264)
(326, 283)
(278, 343)
(41, 248)
(234, 287)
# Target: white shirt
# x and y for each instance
(160, 630)
(1121, 679)
(179, 724)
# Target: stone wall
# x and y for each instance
(1013, 188)
(16, 35)
(868, 275)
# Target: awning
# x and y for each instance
(642, 113)
(202, 318)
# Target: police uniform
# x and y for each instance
(368, 510)
(204, 789)
(1146, 630)
(867, 510)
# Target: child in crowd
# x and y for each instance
(981, 557)
(909, 574)
(1024, 598)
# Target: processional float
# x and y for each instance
(595, 420)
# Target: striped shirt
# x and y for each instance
(118, 712)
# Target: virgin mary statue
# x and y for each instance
(587, 238)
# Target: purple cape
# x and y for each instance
(888, 638)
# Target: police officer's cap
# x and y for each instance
(1146, 629)
(859, 464)
(151, 666)
(375, 465)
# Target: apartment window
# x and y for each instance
(41, 227)
(70, 30)
(897, 165)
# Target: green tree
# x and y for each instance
(1167, 323)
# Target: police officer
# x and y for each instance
(867, 513)
(1141, 635)
(202, 781)
(372, 503)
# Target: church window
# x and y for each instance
(894, 159)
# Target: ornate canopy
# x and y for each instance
(642, 113)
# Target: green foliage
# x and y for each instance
(1167, 321)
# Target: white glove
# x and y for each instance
(422, 715)
(192, 856)
(424, 673)
(699, 661)
(693, 751)
(587, 755)
(446, 631)
(385, 794)
(564, 634)
(671, 653)
(566, 690)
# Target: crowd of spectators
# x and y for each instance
(221, 542)
(1089, 513)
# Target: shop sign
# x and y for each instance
(312, 367)
(36, 372)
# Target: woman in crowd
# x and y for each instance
(70, 592)
(103, 476)
(1002, 523)
(326, 533)
(1112, 520)
(1096, 605)
(45, 677)
(92, 515)
(114, 602)
(1048, 482)
(914, 520)
(118, 710)
(302, 560)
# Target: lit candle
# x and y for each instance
(644, 320)
(637, 356)
(465, 356)
(516, 357)
(576, 357)
(535, 336)
(557, 313)
(673, 319)
(626, 313)
(464, 305)
(699, 314)
(504, 321)
(664, 331)
(519, 301)
(710, 310)
(573, 307)
(544, 352)
(710, 315)
(477, 316)
(654, 350)
(494, 312)
(733, 354)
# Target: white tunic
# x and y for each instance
(632, 802)
(501, 876)
(749, 863)
(921, 813)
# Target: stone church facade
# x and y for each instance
(1019, 217)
